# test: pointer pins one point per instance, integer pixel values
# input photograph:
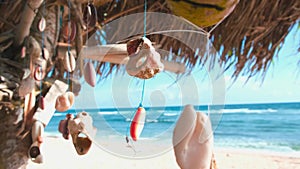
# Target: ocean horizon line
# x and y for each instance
(168, 107)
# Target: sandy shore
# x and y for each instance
(60, 154)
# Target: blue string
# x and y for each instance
(145, 30)
(143, 93)
(145, 17)
(69, 38)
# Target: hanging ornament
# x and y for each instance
(90, 15)
(64, 102)
(42, 24)
(69, 31)
(137, 124)
(144, 62)
(69, 62)
(90, 74)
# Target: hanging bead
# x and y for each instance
(137, 124)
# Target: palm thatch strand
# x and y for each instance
(254, 33)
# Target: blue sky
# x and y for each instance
(281, 84)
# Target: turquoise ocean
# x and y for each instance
(271, 127)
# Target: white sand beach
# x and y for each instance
(60, 154)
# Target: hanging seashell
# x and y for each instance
(23, 52)
(137, 124)
(42, 102)
(42, 24)
(69, 62)
(82, 132)
(34, 152)
(38, 73)
(193, 139)
(64, 102)
(90, 15)
(69, 31)
(144, 62)
(27, 85)
(90, 74)
(45, 54)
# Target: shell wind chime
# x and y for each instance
(144, 61)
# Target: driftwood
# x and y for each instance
(117, 54)
(23, 28)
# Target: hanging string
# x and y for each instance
(143, 93)
(145, 31)
(69, 39)
(42, 47)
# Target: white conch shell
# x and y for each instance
(64, 101)
(145, 62)
(193, 140)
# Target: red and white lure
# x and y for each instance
(137, 124)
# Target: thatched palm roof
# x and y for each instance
(249, 37)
